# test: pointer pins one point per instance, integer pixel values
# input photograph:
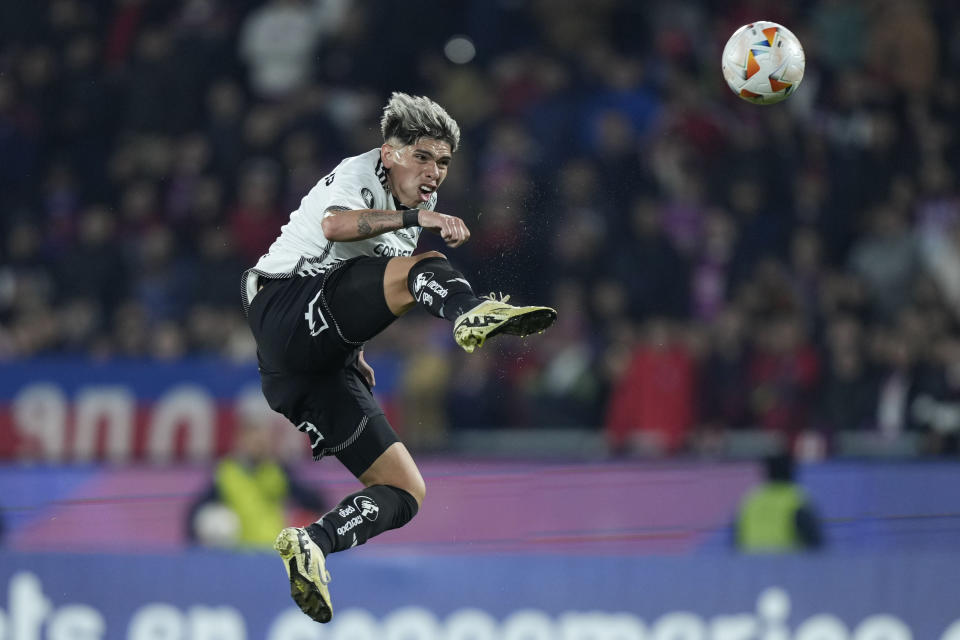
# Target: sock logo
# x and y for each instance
(421, 282)
(437, 288)
(368, 508)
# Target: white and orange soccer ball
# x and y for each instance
(763, 62)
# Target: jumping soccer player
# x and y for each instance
(341, 271)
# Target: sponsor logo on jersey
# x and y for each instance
(368, 508)
(392, 252)
(314, 316)
(367, 196)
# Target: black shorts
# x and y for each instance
(309, 331)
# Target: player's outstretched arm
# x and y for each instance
(350, 226)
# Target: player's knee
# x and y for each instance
(430, 254)
(417, 488)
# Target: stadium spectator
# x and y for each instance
(651, 408)
(777, 516)
(840, 205)
(277, 41)
(251, 492)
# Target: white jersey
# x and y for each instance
(356, 183)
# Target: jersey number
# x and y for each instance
(329, 179)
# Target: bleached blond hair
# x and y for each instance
(407, 118)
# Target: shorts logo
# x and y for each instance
(367, 196)
(315, 320)
(368, 508)
(421, 282)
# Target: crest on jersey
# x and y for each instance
(367, 196)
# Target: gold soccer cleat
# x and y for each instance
(493, 316)
(308, 573)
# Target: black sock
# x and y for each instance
(440, 288)
(362, 515)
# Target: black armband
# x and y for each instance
(411, 218)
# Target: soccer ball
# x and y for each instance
(763, 62)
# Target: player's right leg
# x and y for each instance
(430, 280)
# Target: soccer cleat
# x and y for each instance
(493, 316)
(307, 571)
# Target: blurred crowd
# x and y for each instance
(717, 265)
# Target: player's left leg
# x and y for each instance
(391, 497)
(392, 494)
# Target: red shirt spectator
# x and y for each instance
(652, 405)
(783, 375)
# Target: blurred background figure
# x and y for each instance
(777, 516)
(252, 494)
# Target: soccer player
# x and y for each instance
(341, 271)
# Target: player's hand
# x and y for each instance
(367, 371)
(452, 229)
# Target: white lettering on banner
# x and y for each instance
(355, 624)
(679, 625)
(189, 407)
(739, 627)
(216, 623)
(773, 608)
(156, 621)
(529, 624)
(40, 414)
(952, 632)
(77, 622)
(411, 623)
(293, 625)
(822, 627)
(471, 624)
(882, 627)
(112, 408)
(28, 607)
(31, 616)
(597, 625)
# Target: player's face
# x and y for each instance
(416, 170)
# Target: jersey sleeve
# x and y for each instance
(345, 189)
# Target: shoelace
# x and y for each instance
(493, 296)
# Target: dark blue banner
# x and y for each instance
(221, 596)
